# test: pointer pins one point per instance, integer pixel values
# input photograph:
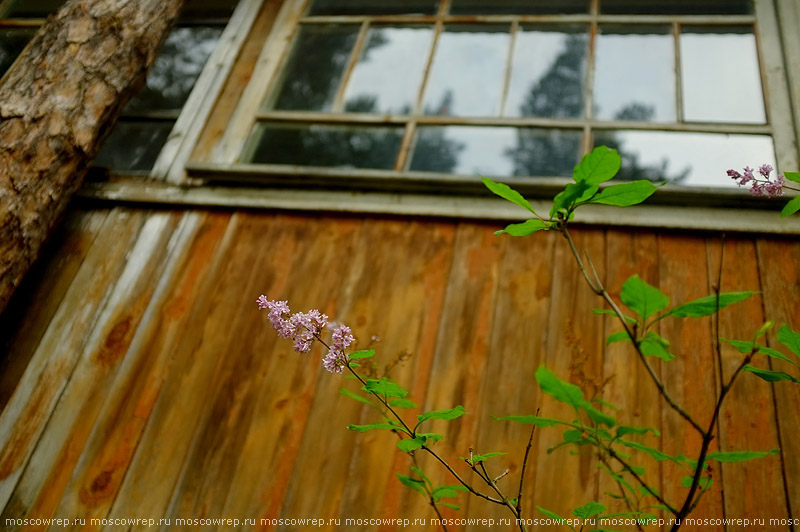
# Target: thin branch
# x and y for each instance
(524, 465)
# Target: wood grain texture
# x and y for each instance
(196, 409)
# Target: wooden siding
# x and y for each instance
(140, 380)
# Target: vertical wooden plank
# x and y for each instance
(778, 262)
(629, 386)
(692, 378)
(43, 481)
(747, 421)
(47, 373)
(37, 299)
(108, 450)
(517, 348)
(574, 353)
(460, 358)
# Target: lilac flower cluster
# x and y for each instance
(760, 187)
(305, 327)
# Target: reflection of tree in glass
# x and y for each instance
(133, 146)
(559, 93)
(175, 70)
(311, 78)
(433, 152)
(12, 41)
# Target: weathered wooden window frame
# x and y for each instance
(422, 193)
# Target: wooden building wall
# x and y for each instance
(140, 380)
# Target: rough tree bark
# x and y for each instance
(57, 103)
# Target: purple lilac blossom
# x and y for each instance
(760, 187)
(336, 359)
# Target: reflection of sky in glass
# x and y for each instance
(175, 70)
(547, 73)
(635, 76)
(522, 7)
(720, 77)
(484, 149)
(374, 7)
(468, 71)
(707, 156)
(387, 77)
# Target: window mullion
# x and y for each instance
(509, 63)
(676, 33)
(355, 54)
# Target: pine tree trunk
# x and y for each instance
(57, 103)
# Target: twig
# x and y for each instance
(524, 465)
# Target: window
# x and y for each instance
(147, 120)
(428, 93)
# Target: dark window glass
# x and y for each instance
(312, 76)
(522, 7)
(133, 146)
(12, 42)
(374, 7)
(204, 9)
(33, 8)
(635, 74)
(677, 7)
(548, 72)
(176, 69)
(496, 151)
(695, 159)
(327, 145)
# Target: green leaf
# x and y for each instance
(422, 475)
(402, 403)
(705, 306)
(605, 404)
(790, 339)
(655, 453)
(642, 298)
(430, 436)
(374, 426)
(625, 194)
(385, 388)
(704, 482)
(588, 510)
(452, 413)
(364, 353)
(551, 515)
(351, 395)
(528, 227)
(532, 420)
(620, 336)
(411, 444)
(612, 313)
(448, 491)
(476, 458)
(413, 483)
(573, 193)
(742, 346)
(770, 376)
(775, 354)
(654, 345)
(570, 394)
(739, 456)
(507, 193)
(792, 176)
(791, 207)
(624, 430)
(450, 505)
(597, 167)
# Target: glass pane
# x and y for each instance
(468, 71)
(175, 70)
(497, 151)
(34, 9)
(133, 146)
(327, 145)
(12, 42)
(523, 7)
(387, 77)
(548, 72)
(677, 7)
(199, 9)
(720, 75)
(635, 74)
(695, 159)
(374, 7)
(312, 75)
